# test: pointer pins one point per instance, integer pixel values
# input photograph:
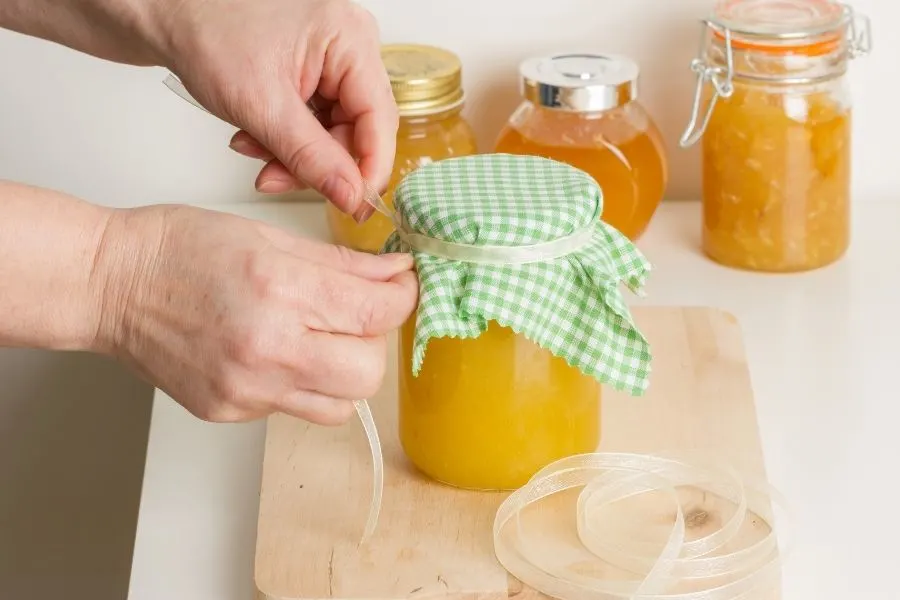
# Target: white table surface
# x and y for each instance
(823, 356)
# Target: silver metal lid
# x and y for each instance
(579, 82)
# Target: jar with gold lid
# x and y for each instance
(427, 86)
(583, 109)
(774, 113)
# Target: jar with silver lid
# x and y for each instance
(582, 109)
(773, 112)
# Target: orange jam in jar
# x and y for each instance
(520, 320)
(582, 109)
(427, 86)
(776, 151)
(489, 412)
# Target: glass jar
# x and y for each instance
(582, 109)
(488, 413)
(520, 319)
(776, 151)
(427, 86)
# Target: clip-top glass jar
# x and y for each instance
(520, 317)
(776, 131)
(427, 87)
(582, 109)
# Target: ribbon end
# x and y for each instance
(368, 423)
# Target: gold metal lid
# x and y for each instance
(579, 82)
(425, 79)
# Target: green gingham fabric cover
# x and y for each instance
(571, 306)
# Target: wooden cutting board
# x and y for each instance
(437, 541)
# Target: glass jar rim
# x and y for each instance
(782, 22)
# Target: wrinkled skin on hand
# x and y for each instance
(258, 64)
(236, 319)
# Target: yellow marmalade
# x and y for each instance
(489, 412)
(776, 148)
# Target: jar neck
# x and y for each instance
(575, 114)
(424, 119)
(807, 63)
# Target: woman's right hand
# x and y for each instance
(235, 319)
(261, 65)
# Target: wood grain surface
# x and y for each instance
(437, 541)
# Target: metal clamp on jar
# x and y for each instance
(776, 131)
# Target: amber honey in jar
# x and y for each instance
(774, 114)
(520, 318)
(427, 87)
(583, 109)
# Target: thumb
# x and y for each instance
(310, 153)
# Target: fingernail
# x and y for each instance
(241, 146)
(275, 186)
(343, 195)
(363, 213)
(339, 191)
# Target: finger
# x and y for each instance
(366, 100)
(318, 103)
(375, 267)
(343, 366)
(324, 111)
(275, 177)
(344, 303)
(311, 155)
(244, 143)
(343, 135)
(317, 408)
(339, 115)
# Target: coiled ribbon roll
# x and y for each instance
(610, 478)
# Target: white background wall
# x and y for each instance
(73, 427)
(663, 36)
(117, 136)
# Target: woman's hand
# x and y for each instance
(258, 64)
(232, 318)
(235, 319)
(255, 64)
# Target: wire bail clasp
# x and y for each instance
(721, 78)
(859, 33)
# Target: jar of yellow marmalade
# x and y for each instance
(427, 86)
(582, 109)
(520, 317)
(776, 131)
